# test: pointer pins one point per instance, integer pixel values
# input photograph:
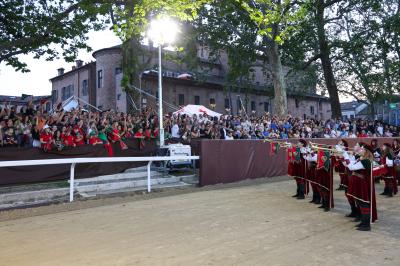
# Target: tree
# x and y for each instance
(251, 32)
(364, 59)
(43, 27)
(39, 27)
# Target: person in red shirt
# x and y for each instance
(46, 138)
(147, 132)
(156, 132)
(78, 137)
(68, 139)
(116, 137)
(139, 134)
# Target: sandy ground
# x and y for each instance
(257, 223)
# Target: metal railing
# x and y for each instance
(75, 161)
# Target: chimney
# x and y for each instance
(78, 63)
(73, 67)
(60, 71)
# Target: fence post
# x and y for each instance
(148, 177)
(71, 182)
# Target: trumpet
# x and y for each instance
(283, 144)
(333, 150)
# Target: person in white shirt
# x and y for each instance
(361, 185)
(175, 131)
(229, 136)
(311, 159)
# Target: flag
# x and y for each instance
(297, 154)
(274, 148)
(323, 160)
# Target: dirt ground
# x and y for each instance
(250, 223)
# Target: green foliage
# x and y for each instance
(40, 27)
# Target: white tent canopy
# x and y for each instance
(192, 109)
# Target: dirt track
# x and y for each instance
(257, 224)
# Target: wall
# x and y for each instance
(223, 161)
(107, 60)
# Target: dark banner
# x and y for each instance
(44, 173)
(223, 161)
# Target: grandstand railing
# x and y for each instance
(75, 161)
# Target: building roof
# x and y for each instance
(73, 70)
(349, 105)
(112, 48)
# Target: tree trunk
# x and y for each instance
(326, 61)
(280, 100)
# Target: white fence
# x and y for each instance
(75, 161)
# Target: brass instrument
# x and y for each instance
(334, 151)
(282, 144)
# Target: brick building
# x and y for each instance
(99, 83)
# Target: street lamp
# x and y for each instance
(162, 31)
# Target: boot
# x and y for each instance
(327, 208)
(354, 212)
(365, 218)
(389, 192)
(365, 223)
(301, 192)
(317, 198)
(385, 191)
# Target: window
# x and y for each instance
(85, 87)
(320, 105)
(197, 100)
(54, 96)
(181, 99)
(119, 97)
(253, 105)
(67, 92)
(266, 106)
(118, 70)
(63, 89)
(99, 79)
(227, 103)
(312, 110)
(296, 102)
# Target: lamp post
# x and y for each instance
(162, 31)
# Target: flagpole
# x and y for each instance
(370, 180)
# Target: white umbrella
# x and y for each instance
(192, 109)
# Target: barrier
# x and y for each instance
(75, 161)
(227, 161)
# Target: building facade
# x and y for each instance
(99, 83)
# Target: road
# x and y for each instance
(254, 224)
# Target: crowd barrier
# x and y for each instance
(74, 161)
(225, 161)
(34, 173)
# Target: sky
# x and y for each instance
(37, 81)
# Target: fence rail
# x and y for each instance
(75, 161)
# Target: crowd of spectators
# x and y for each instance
(33, 127)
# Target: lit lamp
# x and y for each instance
(162, 31)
